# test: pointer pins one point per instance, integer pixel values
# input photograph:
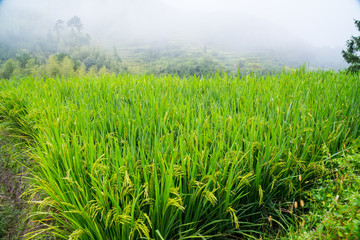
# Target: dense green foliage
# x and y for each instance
(351, 55)
(334, 203)
(65, 52)
(119, 157)
(84, 60)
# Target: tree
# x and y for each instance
(8, 68)
(32, 68)
(59, 26)
(351, 55)
(67, 67)
(23, 59)
(81, 70)
(75, 22)
(52, 66)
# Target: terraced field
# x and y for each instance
(146, 157)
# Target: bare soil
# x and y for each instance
(12, 207)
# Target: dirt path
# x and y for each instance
(12, 208)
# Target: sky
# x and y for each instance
(320, 23)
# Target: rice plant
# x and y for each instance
(147, 157)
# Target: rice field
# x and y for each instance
(149, 157)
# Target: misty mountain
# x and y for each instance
(112, 23)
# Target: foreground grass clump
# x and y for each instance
(132, 157)
(334, 204)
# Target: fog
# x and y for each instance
(307, 30)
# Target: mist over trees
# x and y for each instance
(75, 22)
(64, 38)
(65, 51)
(151, 36)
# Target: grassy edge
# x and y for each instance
(333, 203)
(13, 183)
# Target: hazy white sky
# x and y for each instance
(320, 22)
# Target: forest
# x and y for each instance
(67, 50)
